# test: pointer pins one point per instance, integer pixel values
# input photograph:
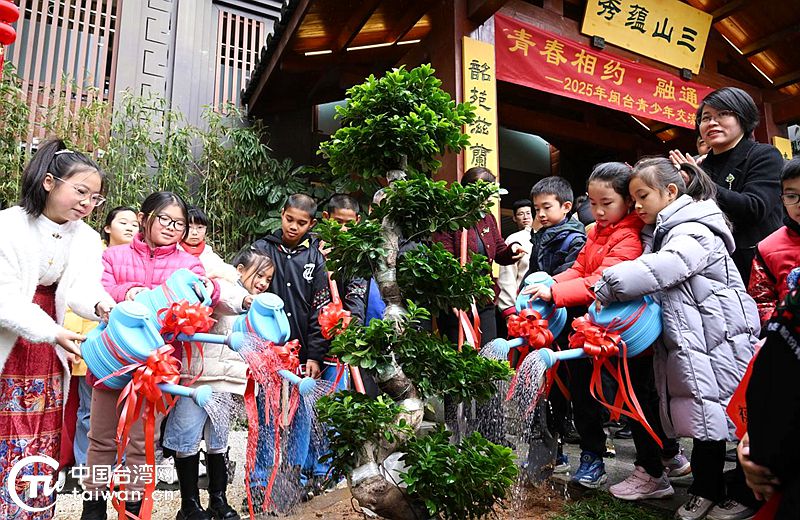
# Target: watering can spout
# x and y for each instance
(305, 385)
(551, 357)
(200, 395)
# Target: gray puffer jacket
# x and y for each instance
(710, 323)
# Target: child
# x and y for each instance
(710, 324)
(344, 209)
(777, 254)
(614, 238)
(300, 279)
(195, 244)
(225, 371)
(143, 264)
(49, 260)
(119, 228)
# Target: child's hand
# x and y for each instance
(66, 339)
(759, 478)
(598, 306)
(247, 301)
(132, 292)
(313, 369)
(539, 291)
(209, 285)
(102, 309)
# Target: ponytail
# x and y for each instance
(700, 187)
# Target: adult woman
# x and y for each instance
(747, 172)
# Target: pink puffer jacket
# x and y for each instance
(136, 265)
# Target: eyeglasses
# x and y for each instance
(166, 221)
(197, 227)
(790, 199)
(721, 115)
(96, 199)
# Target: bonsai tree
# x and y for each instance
(393, 129)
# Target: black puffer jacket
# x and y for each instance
(556, 248)
(301, 280)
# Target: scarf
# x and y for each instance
(194, 250)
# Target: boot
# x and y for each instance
(133, 507)
(187, 469)
(217, 484)
(94, 509)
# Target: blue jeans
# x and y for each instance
(187, 424)
(80, 444)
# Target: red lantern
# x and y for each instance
(9, 13)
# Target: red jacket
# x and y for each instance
(604, 247)
(496, 248)
(776, 256)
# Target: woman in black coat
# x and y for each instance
(747, 172)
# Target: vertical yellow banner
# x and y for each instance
(480, 90)
(784, 146)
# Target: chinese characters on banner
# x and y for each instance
(527, 55)
(665, 30)
(481, 92)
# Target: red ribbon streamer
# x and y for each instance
(273, 358)
(601, 343)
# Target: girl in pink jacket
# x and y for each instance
(143, 264)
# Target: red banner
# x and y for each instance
(527, 55)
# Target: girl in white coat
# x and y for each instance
(49, 260)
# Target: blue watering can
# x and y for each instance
(130, 336)
(556, 317)
(265, 319)
(183, 284)
(637, 335)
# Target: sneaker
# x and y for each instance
(641, 485)
(611, 450)
(592, 471)
(562, 464)
(731, 510)
(696, 508)
(677, 466)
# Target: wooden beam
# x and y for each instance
(549, 125)
(727, 10)
(277, 52)
(786, 111)
(786, 79)
(407, 22)
(789, 33)
(363, 11)
(478, 11)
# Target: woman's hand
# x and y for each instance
(517, 252)
(132, 292)
(102, 309)
(759, 478)
(67, 339)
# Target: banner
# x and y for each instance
(535, 58)
(480, 90)
(665, 30)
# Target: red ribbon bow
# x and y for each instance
(601, 344)
(530, 326)
(333, 313)
(185, 318)
(143, 392)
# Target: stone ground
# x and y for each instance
(525, 503)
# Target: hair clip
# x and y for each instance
(65, 150)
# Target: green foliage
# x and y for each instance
(404, 114)
(357, 419)
(602, 506)
(433, 363)
(421, 206)
(355, 252)
(370, 346)
(436, 367)
(14, 115)
(462, 481)
(434, 278)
